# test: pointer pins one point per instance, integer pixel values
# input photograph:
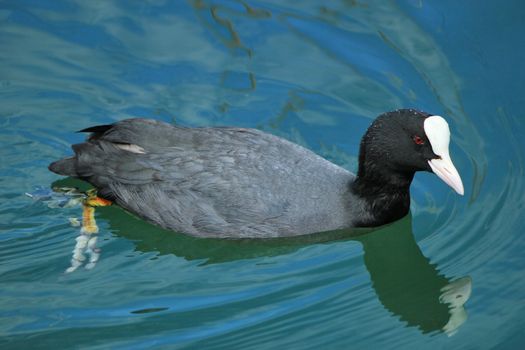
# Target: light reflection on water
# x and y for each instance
(314, 74)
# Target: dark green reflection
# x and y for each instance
(408, 285)
(405, 281)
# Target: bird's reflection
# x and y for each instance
(408, 285)
(405, 281)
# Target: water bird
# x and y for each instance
(228, 182)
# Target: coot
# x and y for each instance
(237, 183)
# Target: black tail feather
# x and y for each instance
(99, 129)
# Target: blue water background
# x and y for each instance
(313, 72)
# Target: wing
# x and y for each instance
(220, 182)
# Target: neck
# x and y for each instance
(384, 192)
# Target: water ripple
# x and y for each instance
(327, 70)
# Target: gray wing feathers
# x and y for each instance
(220, 182)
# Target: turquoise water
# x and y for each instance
(449, 276)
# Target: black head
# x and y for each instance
(394, 147)
(396, 142)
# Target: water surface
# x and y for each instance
(450, 275)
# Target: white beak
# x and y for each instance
(446, 171)
(438, 134)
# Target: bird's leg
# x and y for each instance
(86, 241)
(93, 200)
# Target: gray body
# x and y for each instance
(216, 182)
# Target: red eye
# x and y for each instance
(418, 140)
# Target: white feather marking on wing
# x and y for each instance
(131, 148)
